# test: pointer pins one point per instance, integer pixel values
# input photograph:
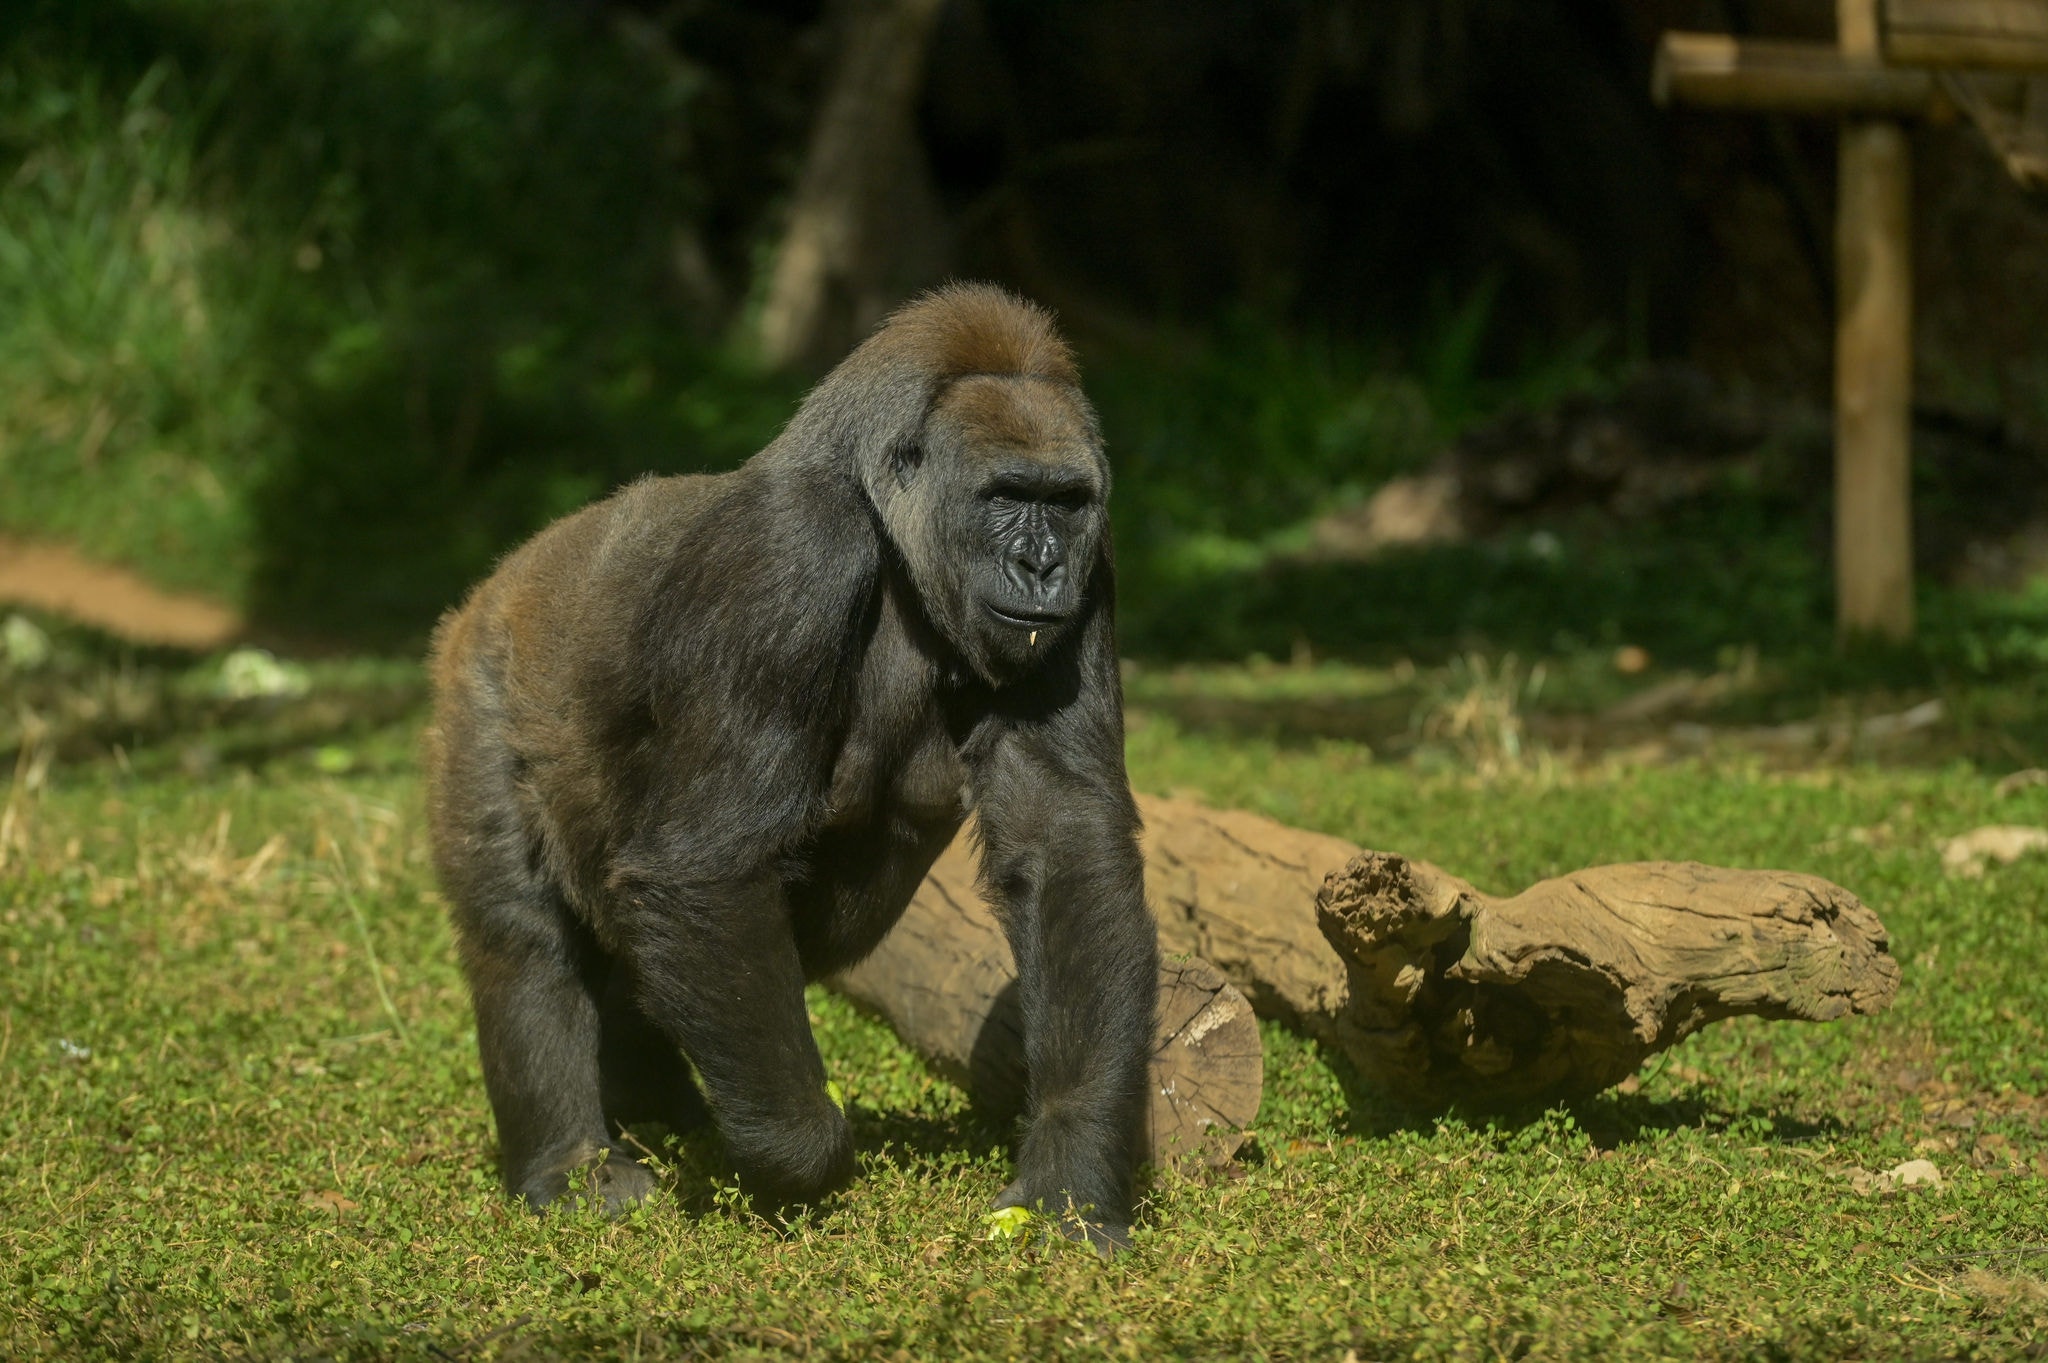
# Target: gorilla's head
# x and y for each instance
(963, 420)
(1000, 517)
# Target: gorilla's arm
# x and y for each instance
(746, 642)
(1061, 862)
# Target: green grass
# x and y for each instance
(240, 1112)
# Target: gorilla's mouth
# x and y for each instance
(1027, 620)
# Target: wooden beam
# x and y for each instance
(2009, 35)
(1873, 364)
(1720, 71)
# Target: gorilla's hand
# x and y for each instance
(1106, 1237)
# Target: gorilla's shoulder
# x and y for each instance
(656, 496)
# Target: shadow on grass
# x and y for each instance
(700, 1178)
(1734, 576)
(1608, 1120)
(164, 711)
(1614, 1119)
(1728, 574)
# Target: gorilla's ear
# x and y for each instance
(906, 455)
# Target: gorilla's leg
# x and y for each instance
(644, 1076)
(538, 1035)
(717, 968)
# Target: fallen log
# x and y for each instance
(1568, 986)
(1237, 890)
(1435, 993)
(945, 982)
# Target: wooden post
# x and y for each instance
(1873, 363)
(1916, 63)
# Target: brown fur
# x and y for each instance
(1002, 414)
(977, 329)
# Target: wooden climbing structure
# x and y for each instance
(1986, 60)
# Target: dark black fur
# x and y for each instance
(698, 743)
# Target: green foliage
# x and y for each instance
(127, 418)
(1223, 447)
(1740, 570)
(1248, 433)
(320, 307)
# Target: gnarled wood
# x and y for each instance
(1442, 995)
(1564, 989)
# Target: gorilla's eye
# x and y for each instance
(1004, 497)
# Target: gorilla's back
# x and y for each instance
(516, 666)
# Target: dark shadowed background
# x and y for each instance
(317, 308)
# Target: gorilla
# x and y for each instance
(696, 744)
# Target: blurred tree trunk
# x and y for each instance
(864, 225)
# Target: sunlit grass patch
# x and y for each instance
(240, 1112)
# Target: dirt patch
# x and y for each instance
(57, 579)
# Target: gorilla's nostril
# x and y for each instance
(1041, 556)
(1038, 558)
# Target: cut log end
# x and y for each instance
(1207, 1067)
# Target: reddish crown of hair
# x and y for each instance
(962, 329)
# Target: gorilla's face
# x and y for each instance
(1002, 518)
(1039, 526)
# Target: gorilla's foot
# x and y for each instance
(623, 1182)
(794, 1162)
(588, 1170)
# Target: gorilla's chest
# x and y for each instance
(896, 767)
(896, 760)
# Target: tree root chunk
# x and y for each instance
(1458, 997)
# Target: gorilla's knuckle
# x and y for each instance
(797, 1160)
